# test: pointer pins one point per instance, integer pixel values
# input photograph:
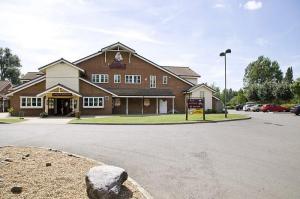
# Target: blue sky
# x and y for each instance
(180, 33)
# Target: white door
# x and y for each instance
(163, 106)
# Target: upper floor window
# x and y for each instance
(93, 102)
(100, 78)
(31, 102)
(202, 94)
(117, 78)
(132, 79)
(152, 81)
(165, 79)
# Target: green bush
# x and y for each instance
(289, 106)
(43, 114)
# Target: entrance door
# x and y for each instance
(163, 106)
(63, 106)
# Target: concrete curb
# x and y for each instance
(145, 193)
(196, 122)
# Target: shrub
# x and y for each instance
(43, 114)
(11, 110)
(289, 106)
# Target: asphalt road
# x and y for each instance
(257, 158)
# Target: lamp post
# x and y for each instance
(223, 54)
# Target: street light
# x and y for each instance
(223, 54)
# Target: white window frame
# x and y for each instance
(133, 77)
(97, 78)
(117, 77)
(152, 81)
(31, 106)
(165, 79)
(92, 98)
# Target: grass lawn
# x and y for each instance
(154, 119)
(11, 120)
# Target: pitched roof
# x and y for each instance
(182, 71)
(26, 85)
(4, 84)
(118, 44)
(141, 92)
(62, 60)
(60, 86)
(32, 75)
(199, 85)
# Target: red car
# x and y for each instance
(273, 108)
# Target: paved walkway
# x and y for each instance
(38, 120)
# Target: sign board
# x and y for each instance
(195, 103)
(61, 94)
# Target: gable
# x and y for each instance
(108, 53)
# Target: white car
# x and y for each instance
(255, 108)
(248, 105)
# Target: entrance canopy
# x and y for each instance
(59, 91)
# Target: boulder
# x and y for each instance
(104, 182)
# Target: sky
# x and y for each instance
(176, 33)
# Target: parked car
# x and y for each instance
(239, 107)
(273, 108)
(255, 108)
(296, 109)
(247, 106)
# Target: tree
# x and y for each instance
(283, 91)
(265, 91)
(240, 98)
(262, 70)
(295, 87)
(252, 92)
(289, 75)
(9, 66)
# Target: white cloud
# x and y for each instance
(253, 5)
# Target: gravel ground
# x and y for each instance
(65, 178)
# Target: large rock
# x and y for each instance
(104, 182)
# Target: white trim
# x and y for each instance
(152, 81)
(99, 77)
(107, 48)
(139, 56)
(199, 86)
(26, 85)
(59, 61)
(132, 82)
(119, 75)
(57, 86)
(30, 107)
(88, 57)
(98, 87)
(93, 102)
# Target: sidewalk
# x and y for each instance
(38, 120)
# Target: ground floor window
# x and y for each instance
(31, 102)
(93, 102)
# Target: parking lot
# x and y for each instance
(257, 158)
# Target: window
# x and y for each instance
(117, 79)
(100, 78)
(31, 102)
(165, 79)
(152, 81)
(132, 79)
(201, 94)
(93, 102)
